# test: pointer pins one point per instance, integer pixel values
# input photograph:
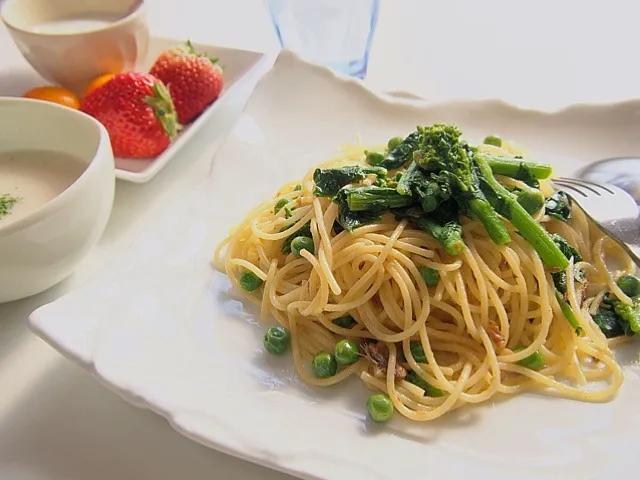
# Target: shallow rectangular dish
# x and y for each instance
(240, 66)
(163, 330)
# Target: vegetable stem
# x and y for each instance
(512, 167)
(526, 225)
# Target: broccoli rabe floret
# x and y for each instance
(443, 225)
(428, 188)
(440, 150)
(629, 314)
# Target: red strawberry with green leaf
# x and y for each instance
(194, 79)
(138, 113)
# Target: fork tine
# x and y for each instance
(576, 183)
(592, 186)
(570, 187)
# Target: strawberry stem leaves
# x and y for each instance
(190, 49)
(163, 109)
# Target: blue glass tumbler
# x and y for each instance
(335, 33)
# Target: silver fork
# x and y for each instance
(610, 207)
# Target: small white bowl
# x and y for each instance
(71, 42)
(42, 248)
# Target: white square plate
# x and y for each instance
(163, 330)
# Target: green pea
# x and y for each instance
(493, 140)
(346, 351)
(535, 361)
(298, 188)
(302, 243)
(345, 322)
(417, 352)
(630, 285)
(249, 281)
(394, 142)
(429, 390)
(374, 158)
(324, 365)
(430, 276)
(278, 206)
(277, 340)
(380, 407)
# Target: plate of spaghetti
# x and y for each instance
(396, 288)
(439, 273)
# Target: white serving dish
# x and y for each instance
(240, 67)
(162, 329)
(41, 249)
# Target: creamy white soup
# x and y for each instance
(85, 23)
(31, 178)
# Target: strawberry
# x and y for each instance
(138, 113)
(194, 79)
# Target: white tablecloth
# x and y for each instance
(57, 422)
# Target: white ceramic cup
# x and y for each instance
(42, 248)
(71, 42)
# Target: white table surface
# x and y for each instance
(58, 423)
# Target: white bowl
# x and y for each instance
(71, 42)
(42, 248)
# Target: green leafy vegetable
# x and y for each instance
(417, 352)
(560, 278)
(440, 150)
(398, 156)
(278, 206)
(428, 189)
(535, 361)
(345, 322)
(372, 198)
(558, 206)
(567, 250)
(630, 285)
(7, 202)
(330, 181)
(443, 225)
(516, 168)
(350, 220)
(429, 390)
(608, 322)
(629, 315)
(568, 313)
(430, 276)
(518, 216)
